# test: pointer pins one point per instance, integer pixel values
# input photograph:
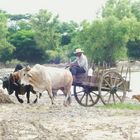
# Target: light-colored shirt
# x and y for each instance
(82, 62)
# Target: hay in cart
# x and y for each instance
(4, 98)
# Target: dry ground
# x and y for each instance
(43, 121)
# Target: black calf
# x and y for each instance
(17, 87)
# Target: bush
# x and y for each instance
(14, 62)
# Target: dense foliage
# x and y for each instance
(42, 38)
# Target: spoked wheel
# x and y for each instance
(85, 95)
(112, 88)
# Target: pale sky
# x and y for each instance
(67, 10)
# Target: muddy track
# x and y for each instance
(43, 121)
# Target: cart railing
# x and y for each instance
(106, 83)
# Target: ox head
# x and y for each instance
(23, 74)
(18, 67)
(7, 84)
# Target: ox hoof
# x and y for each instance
(65, 104)
(35, 101)
(20, 100)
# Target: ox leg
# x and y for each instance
(28, 97)
(40, 94)
(51, 95)
(67, 100)
(54, 92)
(35, 101)
(20, 100)
(34, 92)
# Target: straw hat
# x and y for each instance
(78, 51)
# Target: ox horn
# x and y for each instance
(29, 75)
(28, 68)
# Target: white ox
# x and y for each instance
(49, 79)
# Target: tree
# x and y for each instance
(26, 49)
(6, 49)
(67, 31)
(136, 9)
(105, 39)
(45, 28)
(133, 45)
(117, 8)
(22, 37)
(19, 22)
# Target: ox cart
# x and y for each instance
(108, 85)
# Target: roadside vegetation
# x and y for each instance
(43, 38)
(129, 106)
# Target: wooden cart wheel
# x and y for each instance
(85, 95)
(112, 88)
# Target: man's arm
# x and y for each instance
(73, 63)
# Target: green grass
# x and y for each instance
(122, 106)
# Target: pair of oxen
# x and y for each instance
(38, 79)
